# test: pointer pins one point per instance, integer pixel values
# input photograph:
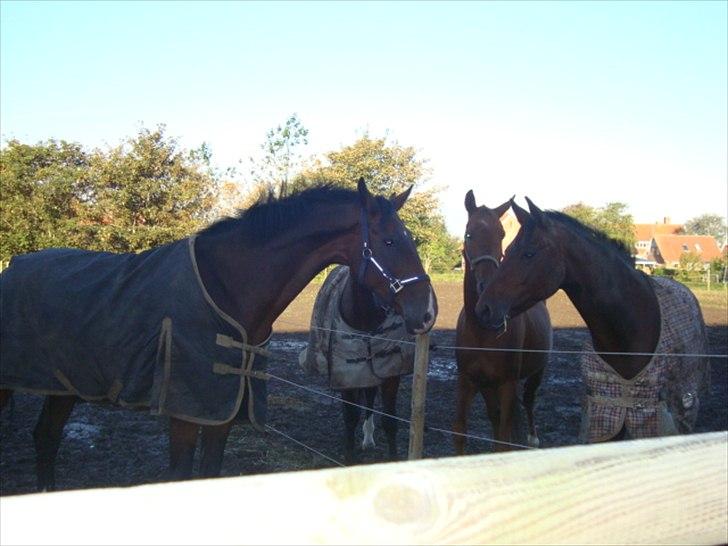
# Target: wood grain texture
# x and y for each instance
(659, 491)
(419, 392)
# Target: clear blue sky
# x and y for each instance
(563, 102)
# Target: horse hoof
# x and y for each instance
(533, 440)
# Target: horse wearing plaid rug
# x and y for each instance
(176, 329)
(645, 370)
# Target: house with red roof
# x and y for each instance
(667, 250)
(644, 233)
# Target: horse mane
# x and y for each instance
(271, 215)
(593, 234)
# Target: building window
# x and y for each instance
(685, 248)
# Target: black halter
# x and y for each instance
(395, 285)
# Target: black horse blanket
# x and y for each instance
(138, 330)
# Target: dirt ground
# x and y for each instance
(109, 446)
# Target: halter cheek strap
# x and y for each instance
(395, 285)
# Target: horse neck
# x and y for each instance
(358, 307)
(254, 282)
(616, 302)
(470, 292)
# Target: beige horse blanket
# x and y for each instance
(664, 398)
(351, 358)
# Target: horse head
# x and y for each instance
(388, 263)
(483, 245)
(531, 270)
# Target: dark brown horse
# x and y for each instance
(496, 374)
(362, 311)
(626, 315)
(250, 268)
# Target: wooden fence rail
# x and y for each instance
(669, 490)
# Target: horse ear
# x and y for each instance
(470, 205)
(399, 200)
(521, 214)
(501, 210)
(364, 195)
(536, 213)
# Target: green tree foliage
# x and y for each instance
(140, 194)
(390, 169)
(708, 224)
(281, 158)
(690, 266)
(147, 192)
(44, 190)
(612, 219)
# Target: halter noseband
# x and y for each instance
(395, 285)
(483, 258)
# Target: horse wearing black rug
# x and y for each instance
(179, 329)
(645, 371)
(362, 346)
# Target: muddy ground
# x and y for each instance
(109, 446)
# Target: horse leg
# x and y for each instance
(182, 444)
(214, 438)
(507, 399)
(370, 393)
(47, 437)
(529, 398)
(466, 391)
(351, 419)
(5, 396)
(390, 386)
(492, 406)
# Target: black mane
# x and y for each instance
(271, 216)
(593, 234)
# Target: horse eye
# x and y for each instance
(528, 254)
(467, 235)
(388, 242)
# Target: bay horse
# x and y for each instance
(496, 374)
(634, 386)
(244, 271)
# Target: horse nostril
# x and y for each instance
(427, 317)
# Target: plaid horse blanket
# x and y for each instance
(138, 330)
(351, 358)
(664, 398)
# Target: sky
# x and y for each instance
(565, 102)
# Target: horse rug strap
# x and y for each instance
(139, 330)
(351, 358)
(664, 398)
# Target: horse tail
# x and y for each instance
(6, 395)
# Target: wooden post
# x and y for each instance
(419, 389)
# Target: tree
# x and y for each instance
(140, 194)
(280, 159)
(44, 192)
(612, 219)
(147, 192)
(708, 224)
(390, 169)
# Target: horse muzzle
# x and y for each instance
(491, 317)
(418, 320)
